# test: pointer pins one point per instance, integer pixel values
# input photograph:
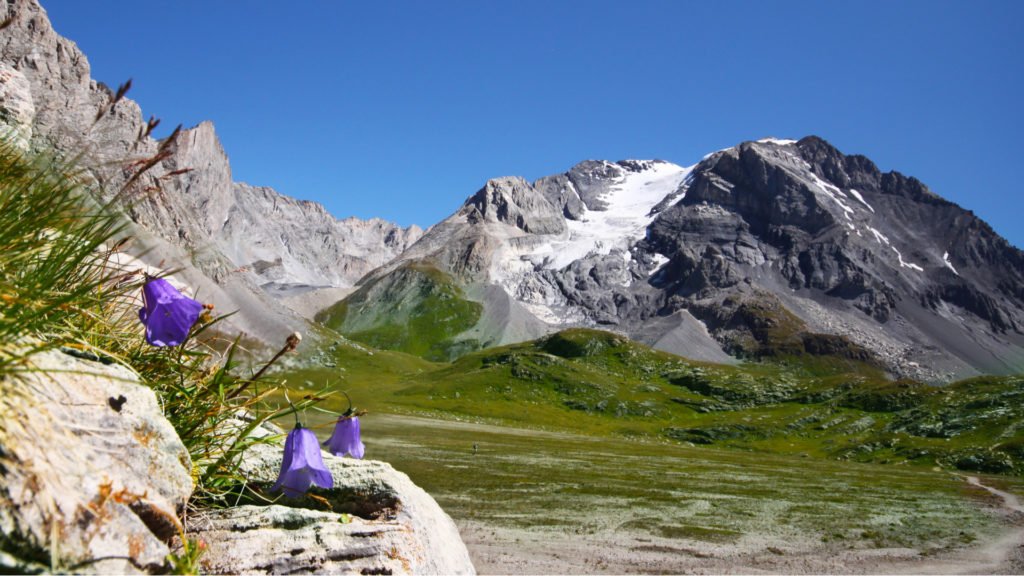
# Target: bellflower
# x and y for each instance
(167, 314)
(303, 465)
(345, 439)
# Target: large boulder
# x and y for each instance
(378, 522)
(92, 475)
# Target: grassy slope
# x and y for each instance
(416, 309)
(599, 383)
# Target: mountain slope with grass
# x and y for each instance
(603, 384)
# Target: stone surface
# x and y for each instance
(17, 109)
(295, 244)
(514, 202)
(379, 523)
(91, 470)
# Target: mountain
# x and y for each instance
(242, 247)
(771, 248)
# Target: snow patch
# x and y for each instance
(881, 238)
(776, 141)
(945, 258)
(659, 261)
(628, 214)
(706, 156)
(832, 192)
(903, 264)
(861, 199)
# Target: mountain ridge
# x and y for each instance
(832, 245)
(181, 204)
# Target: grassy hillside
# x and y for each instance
(600, 383)
(415, 309)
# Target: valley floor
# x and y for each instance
(533, 502)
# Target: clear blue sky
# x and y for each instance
(403, 109)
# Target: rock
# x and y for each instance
(92, 472)
(17, 109)
(295, 244)
(514, 202)
(379, 523)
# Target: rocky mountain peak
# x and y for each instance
(513, 201)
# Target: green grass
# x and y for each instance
(416, 309)
(602, 384)
(569, 490)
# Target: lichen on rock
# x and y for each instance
(92, 475)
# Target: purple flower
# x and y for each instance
(303, 465)
(345, 439)
(166, 313)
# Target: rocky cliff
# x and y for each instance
(769, 248)
(239, 244)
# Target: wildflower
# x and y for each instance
(345, 439)
(303, 465)
(167, 314)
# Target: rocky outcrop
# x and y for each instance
(288, 242)
(17, 108)
(852, 251)
(379, 522)
(514, 202)
(93, 475)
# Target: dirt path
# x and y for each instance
(1004, 555)
(1010, 502)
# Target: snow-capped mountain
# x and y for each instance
(771, 247)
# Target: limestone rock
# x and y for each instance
(17, 109)
(380, 523)
(291, 245)
(92, 472)
(514, 202)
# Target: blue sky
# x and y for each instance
(403, 109)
